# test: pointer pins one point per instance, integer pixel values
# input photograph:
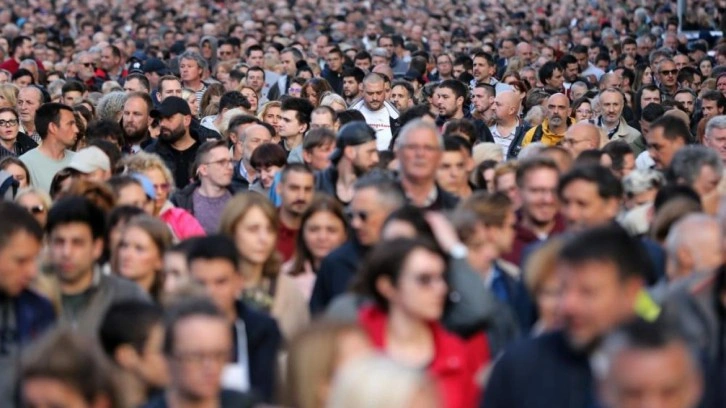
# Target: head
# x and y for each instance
(667, 135)
(551, 75)
(252, 222)
(322, 229)
(29, 100)
(214, 263)
(483, 66)
(402, 95)
(449, 98)
(295, 120)
(537, 180)
(175, 118)
(612, 103)
(506, 106)
(558, 110)
(153, 168)
(137, 116)
(374, 91)
(693, 245)
(482, 97)
(698, 167)
(268, 159)
(486, 224)
(715, 135)
(318, 146)
(191, 67)
(419, 149)
(580, 137)
(374, 198)
(296, 189)
(590, 196)
(214, 164)
(20, 239)
(455, 166)
(169, 85)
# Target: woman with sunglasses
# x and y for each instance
(407, 282)
(13, 142)
(36, 201)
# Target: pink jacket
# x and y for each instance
(183, 225)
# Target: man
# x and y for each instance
(245, 136)
(612, 102)
(462, 64)
(444, 67)
(712, 104)
(256, 59)
(169, 85)
(225, 51)
(538, 218)
(197, 348)
(379, 114)
(402, 95)
(698, 167)
(570, 72)
(506, 50)
(449, 100)
(256, 81)
(318, 145)
(352, 84)
(333, 72)
(355, 154)
(112, 64)
(137, 82)
(21, 48)
(667, 135)
(294, 124)
(76, 233)
(363, 61)
(214, 263)
(667, 77)
(28, 314)
(176, 145)
(556, 123)
(649, 364)
(289, 58)
(135, 121)
(524, 52)
(694, 246)
(419, 148)
(191, 70)
(715, 136)
(393, 44)
(456, 164)
(507, 127)
(92, 164)
(57, 128)
(228, 100)
(296, 188)
(375, 198)
(601, 274)
(610, 80)
(550, 74)
(590, 196)
(29, 100)
(483, 69)
(687, 98)
(73, 92)
(587, 69)
(580, 137)
(206, 197)
(482, 100)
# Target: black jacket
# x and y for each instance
(202, 132)
(173, 159)
(335, 79)
(516, 146)
(239, 183)
(227, 399)
(263, 343)
(23, 143)
(336, 274)
(444, 200)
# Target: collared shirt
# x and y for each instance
(611, 132)
(430, 198)
(504, 140)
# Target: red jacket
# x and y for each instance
(456, 363)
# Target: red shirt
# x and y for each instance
(12, 66)
(286, 238)
(456, 363)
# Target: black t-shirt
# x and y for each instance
(183, 161)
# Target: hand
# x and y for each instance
(444, 232)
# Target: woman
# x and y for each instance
(36, 201)
(406, 280)
(706, 67)
(296, 87)
(267, 160)
(314, 89)
(8, 95)
(211, 97)
(322, 229)
(335, 101)
(191, 98)
(542, 283)
(140, 253)
(272, 114)
(582, 109)
(252, 222)
(251, 96)
(182, 224)
(643, 76)
(18, 169)
(12, 141)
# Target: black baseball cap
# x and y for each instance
(170, 107)
(155, 65)
(352, 134)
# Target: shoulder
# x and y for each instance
(121, 288)
(30, 155)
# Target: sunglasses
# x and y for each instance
(162, 187)
(669, 72)
(36, 209)
(363, 215)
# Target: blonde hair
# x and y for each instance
(40, 193)
(329, 98)
(162, 238)
(266, 107)
(10, 92)
(143, 161)
(541, 265)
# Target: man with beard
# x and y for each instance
(296, 193)
(355, 154)
(379, 114)
(612, 103)
(449, 99)
(601, 271)
(135, 121)
(176, 145)
(352, 83)
(553, 128)
(21, 48)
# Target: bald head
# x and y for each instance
(381, 69)
(580, 137)
(251, 137)
(558, 109)
(506, 107)
(694, 245)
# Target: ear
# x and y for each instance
(385, 287)
(685, 258)
(307, 158)
(460, 101)
(126, 356)
(187, 120)
(612, 206)
(349, 152)
(158, 96)
(97, 248)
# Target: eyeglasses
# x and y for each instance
(352, 215)
(8, 123)
(225, 53)
(669, 72)
(222, 162)
(199, 357)
(36, 209)
(88, 64)
(428, 279)
(162, 186)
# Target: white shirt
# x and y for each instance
(380, 121)
(644, 161)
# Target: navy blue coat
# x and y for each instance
(263, 343)
(335, 275)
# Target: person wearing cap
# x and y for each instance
(355, 154)
(92, 164)
(176, 144)
(137, 82)
(154, 69)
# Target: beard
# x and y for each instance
(134, 136)
(172, 135)
(359, 171)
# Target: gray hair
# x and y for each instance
(110, 105)
(418, 124)
(55, 87)
(380, 52)
(389, 191)
(688, 162)
(716, 122)
(641, 180)
(692, 223)
(193, 55)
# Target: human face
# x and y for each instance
(290, 126)
(288, 63)
(169, 88)
(507, 184)
(173, 128)
(267, 175)
(296, 192)
(46, 392)
(611, 104)
(255, 80)
(367, 216)
(662, 150)
(557, 79)
(648, 97)
(23, 81)
(374, 94)
(133, 85)
(481, 70)
(322, 120)
(18, 263)
(225, 52)
(716, 140)
(681, 61)
(255, 237)
(351, 88)
(558, 109)
(582, 61)
(273, 117)
(709, 108)
(73, 252)
(721, 84)
(706, 68)
(364, 157)
(322, 233)
(448, 105)
(221, 281)
(420, 156)
(481, 100)
(539, 195)
(218, 167)
(421, 288)
(72, 97)
(108, 61)
(162, 185)
(319, 157)
(136, 119)
(687, 100)
(458, 70)
(706, 181)
(502, 108)
(201, 349)
(9, 127)
(256, 58)
(507, 49)
(365, 64)
(190, 71)
(334, 61)
(295, 90)
(251, 97)
(668, 73)
(444, 66)
(400, 98)
(583, 112)
(134, 196)
(452, 172)
(662, 377)
(67, 130)
(176, 271)
(28, 104)
(582, 206)
(139, 259)
(593, 300)
(253, 138)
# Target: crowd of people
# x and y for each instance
(314, 204)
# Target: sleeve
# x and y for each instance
(497, 391)
(321, 292)
(183, 224)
